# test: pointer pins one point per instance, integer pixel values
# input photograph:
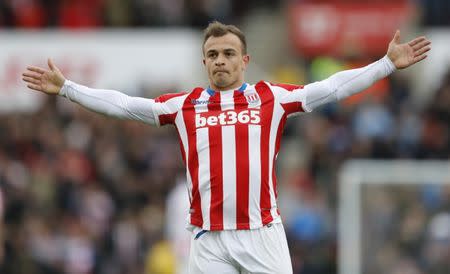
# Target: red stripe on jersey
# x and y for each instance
(267, 104)
(292, 107)
(165, 97)
(189, 121)
(288, 87)
(216, 166)
(242, 165)
(183, 151)
(277, 149)
(165, 119)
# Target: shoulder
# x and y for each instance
(283, 86)
(286, 87)
(172, 101)
(177, 101)
(277, 89)
(169, 103)
(168, 96)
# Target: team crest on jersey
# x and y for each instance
(252, 98)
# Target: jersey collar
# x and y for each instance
(241, 89)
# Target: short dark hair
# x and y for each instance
(217, 29)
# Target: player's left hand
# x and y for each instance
(407, 54)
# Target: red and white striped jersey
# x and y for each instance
(229, 141)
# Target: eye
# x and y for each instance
(212, 54)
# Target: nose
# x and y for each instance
(220, 61)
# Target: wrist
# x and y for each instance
(64, 87)
(389, 63)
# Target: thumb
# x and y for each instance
(51, 65)
(396, 38)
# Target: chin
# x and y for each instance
(221, 84)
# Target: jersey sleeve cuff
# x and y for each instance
(307, 108)
(390, 65)
(65, 87)
(157, 123)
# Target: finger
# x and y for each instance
(396, 38)
(34, 87)
(416, 40)
(51, 65)
(421, 51)
(31, 80)
(32, 74)
(36, 69)
(421, 44)
(419, 58)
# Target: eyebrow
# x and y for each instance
(225, 50)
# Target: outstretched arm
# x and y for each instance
(108, 102)
(348, 82)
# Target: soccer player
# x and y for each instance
(229, 134)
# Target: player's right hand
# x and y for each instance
(47, 81)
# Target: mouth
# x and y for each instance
(220, 71)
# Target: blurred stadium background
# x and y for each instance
(85, 194)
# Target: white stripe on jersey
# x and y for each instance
(276, 119)
(254, 148)
(202, 107)
(229, 177)
(181, 127)
(226, 100)
(204, 174)
(204, 184)
(229, 165)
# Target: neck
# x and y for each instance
(235, 85)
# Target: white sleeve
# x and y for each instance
(341, 85)
(111, 102)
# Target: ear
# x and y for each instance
(245, 60)
(204, 61)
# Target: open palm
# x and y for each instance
(407, 54)
(47, 81)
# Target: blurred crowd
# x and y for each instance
(407, 229)
(84, 193)
(123, 13)
(139, 13)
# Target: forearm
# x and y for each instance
(346, 83)
(109, 102)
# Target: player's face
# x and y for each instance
(225, 62)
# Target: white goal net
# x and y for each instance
(394, 217)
